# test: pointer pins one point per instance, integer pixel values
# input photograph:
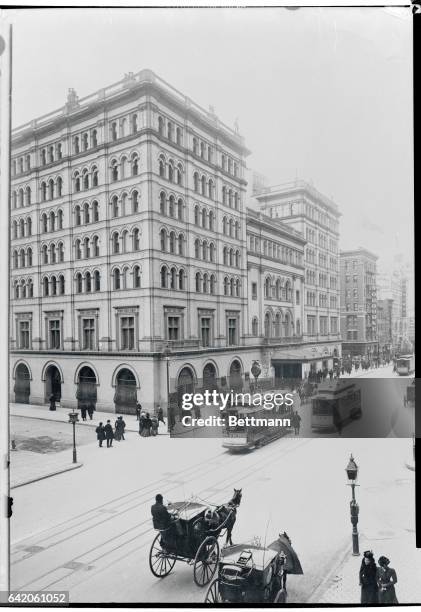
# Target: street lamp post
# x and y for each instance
(167, 353)
(352, 473)
(73, 419)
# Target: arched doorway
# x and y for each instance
(209, 377)
(236, 380)
(86, 393)
(22, 384)
(125, 397)
(185, 383)
(53, 383)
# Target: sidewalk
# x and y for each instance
(27, 467)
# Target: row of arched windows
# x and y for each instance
(85, 141)
(203, 185)
(204, 218)
(23, 289)
(124, 167)
(205, 283)
(22, 197)
(171, 207)
(124, 127)
(168, 129)
(277, 289)
(232, 286)
(21, 164)
(120, 278)
(202, 149)
(231, 257)
(170, 170)
(53, 285)
(119, 240)
(50, 154)
(87, 282)
(87, 247)
(230, 197)
(22, 228)
(52, 253)
(52, 221)
(172, 242)
(173, 278)
(229, 165)
(53, 188)
(125, 204)
(204, 250)
(231, 228)
(85, 179)
(86, 213)
(22, 258)
(278, 326)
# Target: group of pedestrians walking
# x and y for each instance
(106, 432)
(148, 425)
(377, 582)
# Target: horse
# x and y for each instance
(228, 514)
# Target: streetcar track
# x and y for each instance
(261, 463)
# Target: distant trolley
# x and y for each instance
(248, 436)
(405, 365)
(335, 403)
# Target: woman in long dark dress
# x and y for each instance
(386, 580)
(368, 579)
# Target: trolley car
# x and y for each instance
(247, 437)
(191, 540)
(335, 403)
(405, 365)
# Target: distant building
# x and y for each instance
(395, 285)
(358, 303)
(385, 327)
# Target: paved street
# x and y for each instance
(90, 529)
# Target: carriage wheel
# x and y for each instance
(281, 597)
(159, 562)
(206, 561)
(213, 595)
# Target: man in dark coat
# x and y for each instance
(109, 434)
(138, 410)
(296, 422)
(119, 428)
(100, 434)
(368, 579)
(52, 400)
(163, 520)
(160, 415)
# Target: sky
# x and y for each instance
(322, 94)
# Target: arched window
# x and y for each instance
(169, 130)
(267, 288)
(15, 259)
(204, 215)
(236, 200)
(224, 225)
(164, 277)
(52, 222)
(134, 124)
(44, 223)
(86, 213)
(179, 174)
(44, 252)
(94, 176)
(45, 286)
(114, 206)
(124, 241)
(195, 146)
(29, 257)
(136, 239)
(161, 126)
(77, 181)
(231, 228)
(95, 246)
(196, 215)
(21, 194)
(163, 236)
(197, 248)
(78, 251)
(211, 252)
(85, 142)
(123, 123)
(15, 198)
(86, 248)
(76, 145)
(225, 256)
(78, 219)
(43, 157)
(28, 162)
(211, 220)
(212, 284)
(162, 166)
(59, 186)
(59, 151)
(16, 288)
(205, 250)
(196, 182)
(22, 258)
(135, 164)
(202, 149)
(88, 282)
(180, 209)
(21, 228)
(94, 138)
(178, 136)
(203, 185)
(61, 285)
(43, 192)
(53, 284)
(180, 244)
(28, 196)
(136, 277)
(15, 229)
(224, 195)
(226, 285)
(267, 325)
(230, 198)
(116, 279)
(162, 201)
(172, 242)
(210, 189)
(173, 278)
(95, 211)
(30, 288)
(114, 131)
(53, 253)
(79, 283)
(85, 179)
(254, 326)
(171, 171)
(135, 202)
(60, 248)
(181, 278)
(171, 203)
(237, 230)
(115, 243)
(237, 259)
(97, 281)
(231, 257)
(198, 283)
(114, 170)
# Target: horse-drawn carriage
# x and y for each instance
(251, 573)
(192, 537)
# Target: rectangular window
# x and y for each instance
(205, 331)
(355, 306)
(173, 328)
(54, 333)
(127, 333)
(323, 326)
(311, 325)
(88, 334)
(24, 339)
(232, 331)
(333, 325)
(254, 291)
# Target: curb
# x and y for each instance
(42, 418)
(324, 585)
(62, 471)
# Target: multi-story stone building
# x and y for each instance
(385, 327)
(359, 303)
(316, 218)
(130, 255)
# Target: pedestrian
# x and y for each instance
(368, 579)
(142, 417)
(52, 401)
(83, 412)
(109, 434)
(160, 415)
(91, 409)
(100, 434)
(386, 580)
(147, 424)
(154, 426)
(331, 374)
(138, 410)
(297, 423)
(119, 428)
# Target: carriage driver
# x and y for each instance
(163, 520)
